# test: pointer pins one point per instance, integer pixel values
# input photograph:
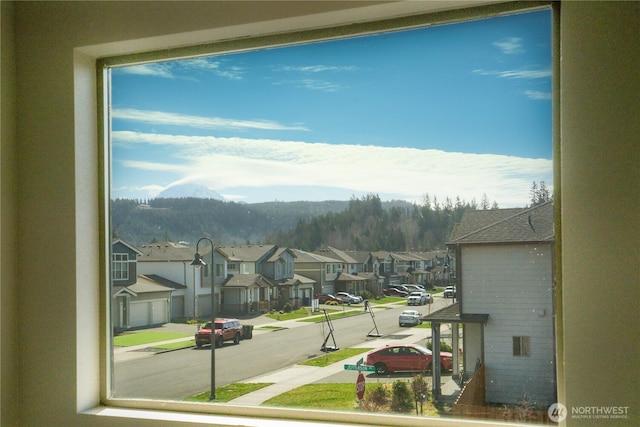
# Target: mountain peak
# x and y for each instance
(189, 190)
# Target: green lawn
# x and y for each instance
(139, 338)
(333, 357)
(294, 314)
(387, 300)
(228, 392)
(332, 316)
(175, 345)
(319, 396)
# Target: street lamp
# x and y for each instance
(197, 263)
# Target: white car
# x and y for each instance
(349, 298)
(410, 317)
(450, 292)
(417, 298)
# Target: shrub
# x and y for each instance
(366, 295)
(402, 398)
(287, 308)
(443, 346)
(377, 399)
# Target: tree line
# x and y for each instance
(362, 223)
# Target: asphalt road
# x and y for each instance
(178, 374)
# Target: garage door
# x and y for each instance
(139, 313)
(145, 313)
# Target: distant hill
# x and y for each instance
(189, 218)
(362, 224)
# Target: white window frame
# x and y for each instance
(122, 263)
(187, 412)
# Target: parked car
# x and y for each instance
(225, 330)
(329, 299)
(393, 292)
(417, 298)
(412, 288)
(350, 298)
(401, 288)
(450, 292)
(410, 317)
(406, 358)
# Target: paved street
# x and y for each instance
(269, 356)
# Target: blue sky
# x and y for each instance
(459, 110)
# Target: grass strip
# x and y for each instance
(228, 392)
(270, 327)
(333, 357)
(340, 396)
(332, 316)
(294, 314)
(175, 345)
(139, 338)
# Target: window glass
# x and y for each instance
(389, 152)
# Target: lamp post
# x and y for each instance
(197, 263)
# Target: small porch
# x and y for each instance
(244, 294)
(473, 355)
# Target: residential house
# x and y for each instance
(353, 278)
(288, 287)
(137, 300)
(239, 275)
(322, 269)
(170, 263)
(505, 291)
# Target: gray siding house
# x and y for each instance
(505, 289)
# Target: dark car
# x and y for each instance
(406, 358)
(226, 330)
(329, 299)
(394, 292)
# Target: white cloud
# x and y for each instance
(533, 94)
(510, 46)
(177, 69)
(213, 66)
(316, 68)
(165, 118)
(517, 74)
(157, 69)
(230, 164)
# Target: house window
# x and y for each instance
(218, 140)
(119, 266)
(521, 346)
(219, 270)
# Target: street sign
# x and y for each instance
(365, 368)
(360, 386)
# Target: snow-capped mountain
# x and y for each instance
(190, 190)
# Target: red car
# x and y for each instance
(406, 358)
(329, 299)
(394, 292)
(226, 330)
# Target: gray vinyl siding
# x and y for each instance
(513, 284)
